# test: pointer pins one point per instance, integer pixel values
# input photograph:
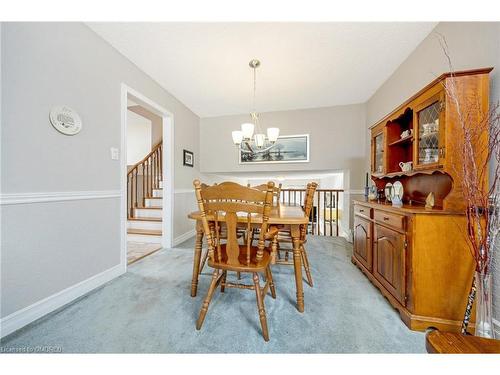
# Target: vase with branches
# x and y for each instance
(479, 165)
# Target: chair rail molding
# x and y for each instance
(56, 196)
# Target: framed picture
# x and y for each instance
(188, 158)
(288, 149)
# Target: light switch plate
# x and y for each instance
(115, 153)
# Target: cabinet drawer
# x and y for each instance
(363, 210)
(388, 218)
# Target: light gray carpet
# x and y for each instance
(149, 309)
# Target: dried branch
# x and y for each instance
(479, 151)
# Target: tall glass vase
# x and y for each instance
(484, 322)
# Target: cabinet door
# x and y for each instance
(363, 241)
(389, 261)
(378, 164)
(429, 133)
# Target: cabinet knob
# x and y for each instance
(361, 210)
(386, 218)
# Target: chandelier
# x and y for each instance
(245, 139)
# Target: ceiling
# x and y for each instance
(304, 65)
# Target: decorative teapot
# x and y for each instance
(406, 167)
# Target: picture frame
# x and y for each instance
(289, 149)
(188, 158)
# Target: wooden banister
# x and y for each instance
(151, 171)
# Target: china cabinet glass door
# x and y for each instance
(378, 164)
(429, 120)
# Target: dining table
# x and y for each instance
(286, 216)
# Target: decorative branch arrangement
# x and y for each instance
(479, 164)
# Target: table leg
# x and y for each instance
(297, 264)
(197, 256)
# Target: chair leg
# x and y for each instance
(223, 282)
(305, 261)
(203, 261)
(208, 298)
(269, 278)
(260, 305)
(238, 275)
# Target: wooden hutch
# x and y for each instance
(418, 257)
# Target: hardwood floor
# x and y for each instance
(139, 250)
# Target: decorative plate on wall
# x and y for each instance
(65, 120)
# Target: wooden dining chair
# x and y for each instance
(222, 234)
(284, 236)
(276, 191)
(219, 205)
(276, 200)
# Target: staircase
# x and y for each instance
(145, 198)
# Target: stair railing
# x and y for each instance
(324, 220)
(143, 178)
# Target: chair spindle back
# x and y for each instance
(308, 204)
(276, 191)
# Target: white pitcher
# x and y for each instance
(405, 167)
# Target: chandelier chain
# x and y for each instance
(254, 114)
(255, 89)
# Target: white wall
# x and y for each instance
(471, 45)
(51, 247)
(139, 137)
(156, 122)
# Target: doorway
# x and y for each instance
(147, 176)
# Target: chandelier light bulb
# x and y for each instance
(259, 140)
(237, 137)
(247, 130)
(273, 134)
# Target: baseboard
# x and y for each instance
(496, 328)
(29, 314)
(348, 235)
(183, 237)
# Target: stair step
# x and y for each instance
(157, 193)
(153, 202)
(148, 212)
(145, 224)
(144, 219)
(146, 232)
(144, 238)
